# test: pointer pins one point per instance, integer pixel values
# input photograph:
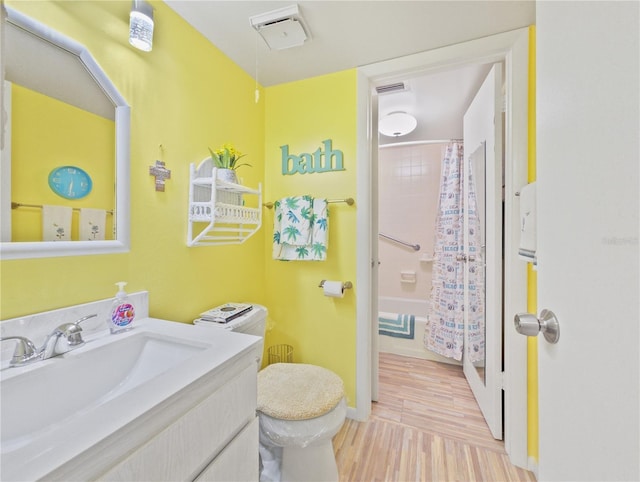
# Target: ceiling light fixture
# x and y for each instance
(282, 28)
(141, 25)
(397, 124)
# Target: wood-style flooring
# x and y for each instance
(426, 426)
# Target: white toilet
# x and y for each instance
(300, 408)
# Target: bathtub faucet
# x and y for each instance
(63, 339)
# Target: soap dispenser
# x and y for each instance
(122, 311)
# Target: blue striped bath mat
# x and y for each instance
(396, 325)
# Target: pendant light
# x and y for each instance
(141, 25)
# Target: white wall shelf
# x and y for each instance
(217, 211)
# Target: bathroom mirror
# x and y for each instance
(476, 333)
(37, 58)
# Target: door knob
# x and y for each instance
(527, 324)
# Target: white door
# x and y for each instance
(483, 155)
(587, 184)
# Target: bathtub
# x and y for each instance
(400, 345)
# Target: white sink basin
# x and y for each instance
(92, 374)
(55, 409)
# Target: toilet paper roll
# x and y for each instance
(333, 289)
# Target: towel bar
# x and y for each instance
(348, 200)
(15, 205)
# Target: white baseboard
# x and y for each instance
(533, 466)
(352, 413)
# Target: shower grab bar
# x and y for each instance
(415, 247)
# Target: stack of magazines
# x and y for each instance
(225, 313)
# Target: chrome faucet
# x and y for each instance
(63, 339)
(25, 351)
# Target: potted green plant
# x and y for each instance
(226, 160)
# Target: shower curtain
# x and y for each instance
(445, 323)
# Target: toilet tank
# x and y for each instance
(252, 323)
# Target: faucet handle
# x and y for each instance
(84, 318)
(73, 332)
(24, 352)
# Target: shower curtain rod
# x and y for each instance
(417, 143)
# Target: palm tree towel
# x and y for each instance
(300, 229)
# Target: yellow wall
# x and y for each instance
(45, 136)
(321, 330)
(532, 280)
(184, 95)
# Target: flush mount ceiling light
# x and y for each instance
(281, 29)
(397, 124)
(141, 25)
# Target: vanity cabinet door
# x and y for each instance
(181, 450)
(238, 462)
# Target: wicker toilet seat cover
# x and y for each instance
(296, 391)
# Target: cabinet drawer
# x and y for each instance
(181, 450)
(238, 462)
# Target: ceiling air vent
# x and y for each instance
(281, 29)
(387, 89)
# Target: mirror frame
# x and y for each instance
(44, 249)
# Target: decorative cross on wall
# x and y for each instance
(161, 173)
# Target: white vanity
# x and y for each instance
(164, 401)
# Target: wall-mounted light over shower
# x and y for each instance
(141, 25)
(396, 124)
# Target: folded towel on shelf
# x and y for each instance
(92, 224)
(56, 223)
(300, 229)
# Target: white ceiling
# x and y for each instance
(437, 101)
(348, 34)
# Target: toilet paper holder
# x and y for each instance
(347, 285)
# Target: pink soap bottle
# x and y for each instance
(122, 311)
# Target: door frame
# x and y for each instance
(512, 48)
